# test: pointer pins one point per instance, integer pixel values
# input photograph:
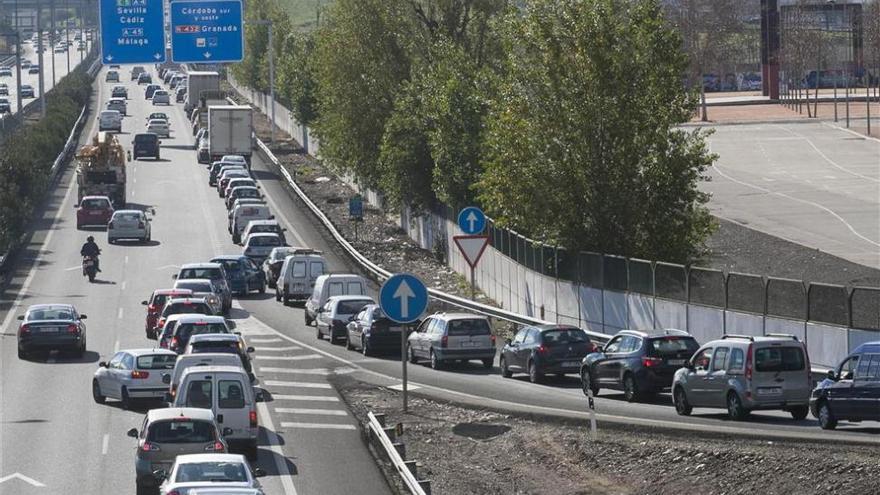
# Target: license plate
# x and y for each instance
(770, 391)
(95, 212)
(676, 362)
(571, 364)
(48, 329)
(468, 344)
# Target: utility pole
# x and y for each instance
(53, 41)
(67, 31)
(40, 59)
(265, 22)
(17, 67)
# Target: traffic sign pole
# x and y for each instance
(404, 332)
(403, 298)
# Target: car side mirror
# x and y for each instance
(260, 396)
(102, 364)
(166, 378)
(688, 365)
(232, 325)
(271, 217)
(83, 317)
(133, 433)
(228, 431)
(145, 303)
(832, 375)
(251, 349)
(20, 317)
(259, 472)
(160, 475)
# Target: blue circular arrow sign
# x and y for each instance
(471, 220)
(403, 298)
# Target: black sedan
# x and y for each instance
(372, 332)
(47, 327)
(545, 349)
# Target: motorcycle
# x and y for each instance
(89, 266)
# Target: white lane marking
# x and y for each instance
(811, 203)
(275, 446)
(116, 347)
(105, 444)
(854, 133)
(119, 313)
(317, 426)
(313, 371)
(316, 412)
(265, 341)
(126, 259)
(289, 358)
(400, 387)
(279, 383)
(835, 164)
(307, 398)
(167, 266)
(77, 267)
(123, 285)
(279, 349)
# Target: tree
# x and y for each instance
(582, 145)
(250, 71)
(296, 77)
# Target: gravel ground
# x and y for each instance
(472, 451)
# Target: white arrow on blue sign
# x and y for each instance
(403, 298)
(471, 220)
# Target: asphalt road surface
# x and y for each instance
(54, 434)
(810, 183)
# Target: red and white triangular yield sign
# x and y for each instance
(471, 247)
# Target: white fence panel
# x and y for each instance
(670, 314)
(591, 308)
(826, 344)
(567, 302)
(858, 337)
(744, 323)
(705, 323)
(784, 325)
(616, 311)
(640, 311)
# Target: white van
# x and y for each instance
(298, 274)
(244, 214)
(187, 361)
(227, 391)
(110, 120)
(333, 285)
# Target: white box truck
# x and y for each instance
(230, 131)
(200, 84)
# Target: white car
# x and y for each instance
(192, 471)
(161, 96)
(128, 224)
(258, 246)
(238, 159)
(118, 104)
(133, 374)
(110, 120)
(159, 127)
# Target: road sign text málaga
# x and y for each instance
(132, 31)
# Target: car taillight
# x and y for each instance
(150, 447)
(444, 341)
(253, 417)
(215, 447)
(749, 363)
(542, 350)
(140, 375)
(173, 390)
(24, 329)
(174, 343)
(651, 362)
(140, 225)
(72, 328)
(492, 337)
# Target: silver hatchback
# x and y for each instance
(445, 337)
(129, 224)
(743, 373)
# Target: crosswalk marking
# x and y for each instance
(277, 383)
(317, 412)
(318, 426)
(312, 371)
(289, 358)
(315, 398)
(275, 349)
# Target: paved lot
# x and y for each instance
(811, 183)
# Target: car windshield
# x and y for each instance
(209, 273)
(186, 330)
(49, 314)
(127, 217)
(271, 228)
(95, 204)
(477, 326)
(145, 138)
(214, 472)
(181, 308)
(160, 116)
(225, 346)
(231, 266)
(181, 431)
(196, 286)
(565, 337)
(775, 359)
(156, 362)
(673, 345)
(264, 241)
(351, 307)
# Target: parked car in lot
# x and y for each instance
(4, 89)
(35, 69)
(243, 275)
(195, 474)
(851, 392)
(372, 332)
(129, 224)
(545, 350)
(5, 105)
(166, 434)
(146, 144)
(445, 337)
(298, 274)
(334, 315)
(211, 271)
(156, 303)
(132, 374)
(639, 363)
(47, 327)
(6, 71)
(94, 210)
(334, 284)
(743, 374)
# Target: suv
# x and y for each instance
(851, 391)
(110, 120)
(136, 72)
(444, 337)
(743, 374)
(638, 363)
(146, 144)
(167, 433)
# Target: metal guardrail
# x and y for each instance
(377, 429)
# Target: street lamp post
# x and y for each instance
(267, 22)
(42, 68)
(67, 31)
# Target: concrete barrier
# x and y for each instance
(591, 309)
(784, 325)
(858, 337)
(827, 344)
(706, 323)
(743, 323)
(640, 311)
(671, 314)
(615, 311)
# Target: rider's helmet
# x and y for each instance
(90, 238)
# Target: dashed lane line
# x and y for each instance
(278, 383)
(317, 426)
(305, 398)
(314, 412)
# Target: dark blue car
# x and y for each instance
(243, 275)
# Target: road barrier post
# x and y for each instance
(592, 405)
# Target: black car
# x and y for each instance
(146, 144)
(151, 88)
(272, 264)
(144, 78)
(47, 327)
(852, 391)
(5, 107)
(544, 350)
(372, 332)
(639, 363)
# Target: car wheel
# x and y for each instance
(411, 354)
(799, 413)
(145, 490)
(22, 354)
(488, 362)
(277, 296)
(682, 407)
(735, 409)
(436, 363)
(630, 389)
(505, 371)
(827, 421)
(348, 345)
(308, 320)
(124, 399)
(535, 376)
(263, 288)
(587, 384)
(318, 332)
(96, 392)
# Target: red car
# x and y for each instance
(94, 210)
(156, 304)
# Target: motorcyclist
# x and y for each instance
(90, 248)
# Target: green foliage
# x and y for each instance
(581, 145)
(296, 78)
(256, 38)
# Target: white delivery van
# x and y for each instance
(227, 391)
(298, 274)
(333, 285)
(187, 361)
(243, 214)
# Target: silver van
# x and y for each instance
(187, 361)
(329, 285)
(445, 337)
(743, 373)
(298, 274)
(243, 214)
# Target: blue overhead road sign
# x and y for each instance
(403, 298)
(207, 31)
(472, 220)
(132, 31)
